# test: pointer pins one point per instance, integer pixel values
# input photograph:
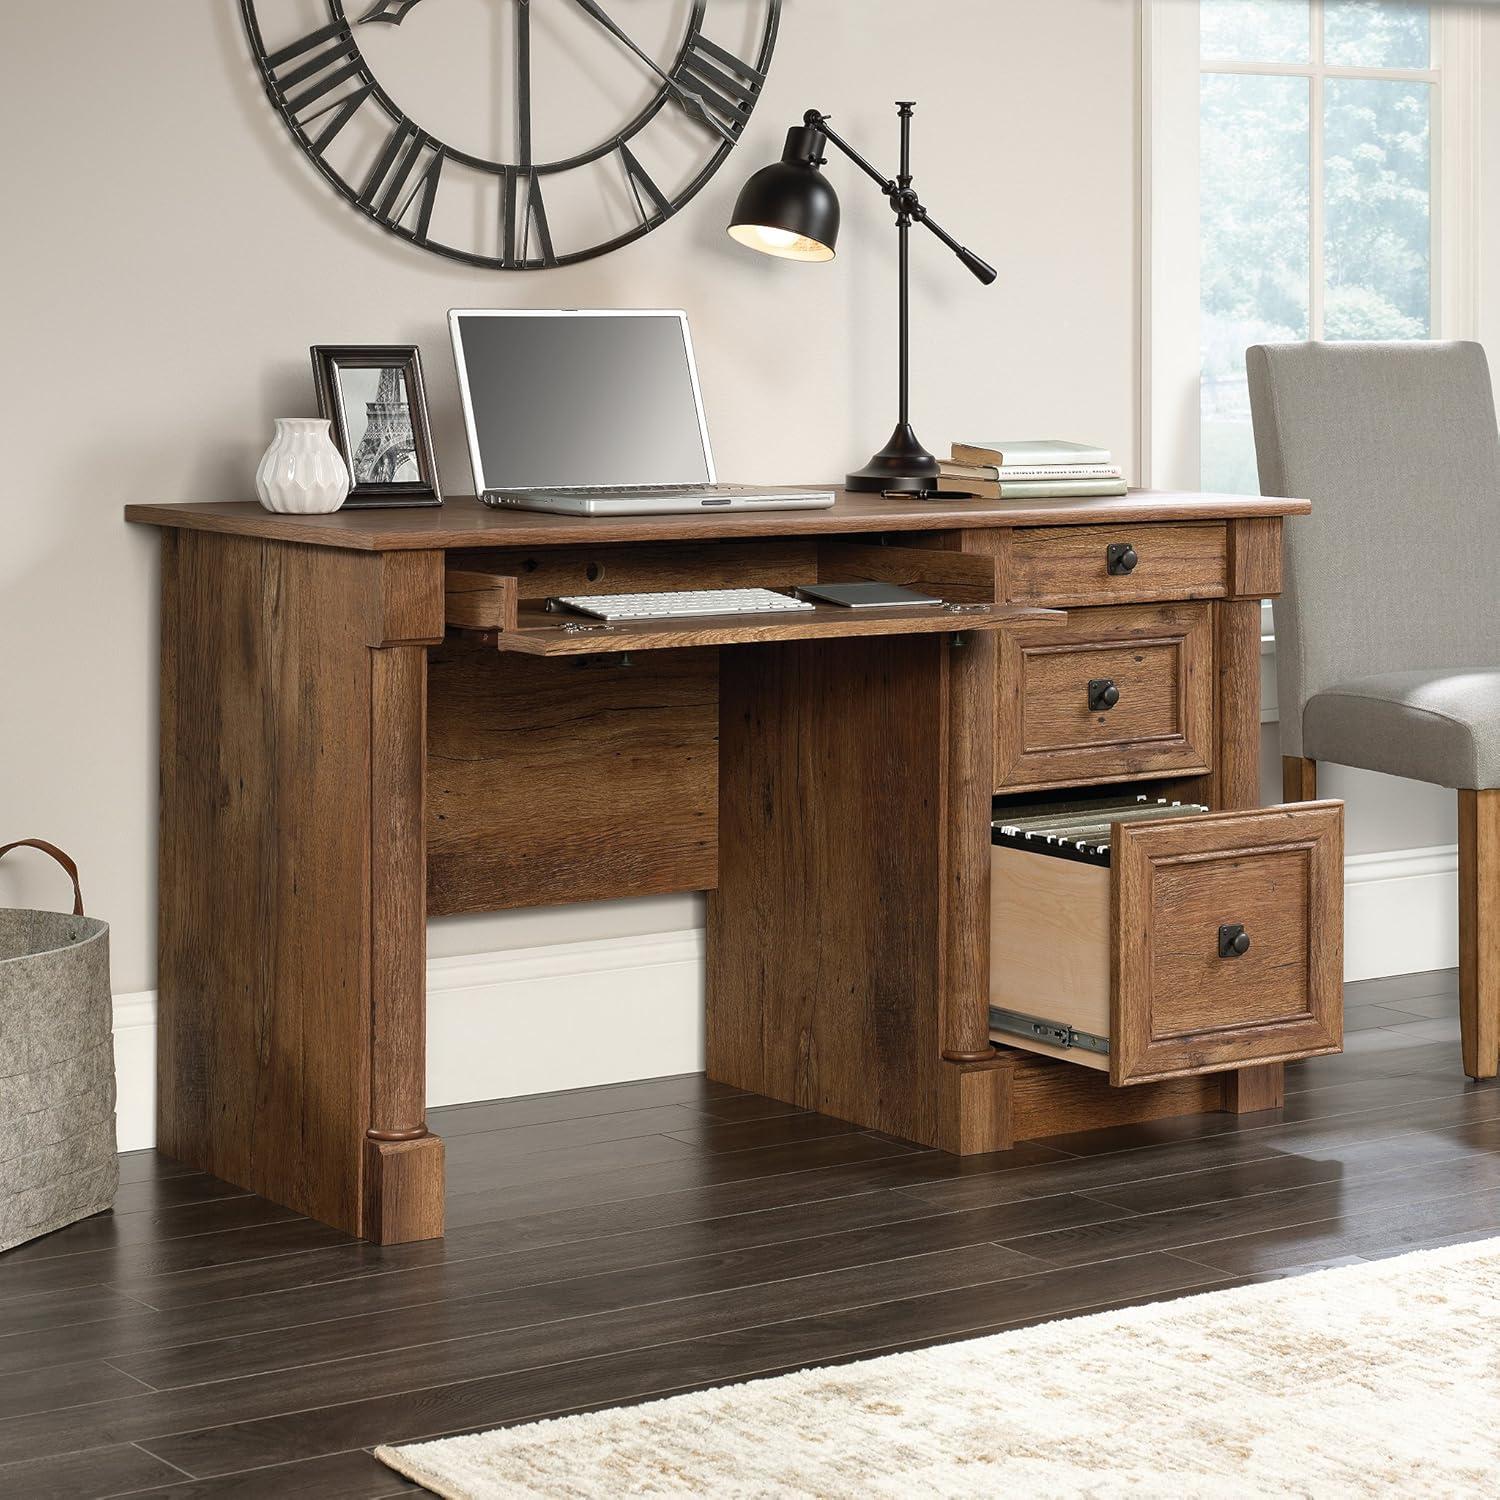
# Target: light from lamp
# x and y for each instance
(786, 243)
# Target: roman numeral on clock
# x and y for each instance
(643, 188)
(405, 173)
(307, 75)
(727, 84)
(519, 226)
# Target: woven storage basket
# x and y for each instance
(57, 1068)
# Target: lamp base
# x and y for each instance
(903, 464)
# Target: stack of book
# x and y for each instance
(1033, 470)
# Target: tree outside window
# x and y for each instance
(1315, 191)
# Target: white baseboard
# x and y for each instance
(569, 1015)
(517, 1021)
(564, 1017)
(135, 1070)
(1400, 912)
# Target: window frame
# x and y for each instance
(1168, 72)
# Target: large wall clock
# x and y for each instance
(518, 134)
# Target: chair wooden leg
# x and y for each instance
(1479, 931)
(1299, 779)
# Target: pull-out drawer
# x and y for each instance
(1106, 695)
(1155, 944)
(1063, 566)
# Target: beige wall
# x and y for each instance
(169, 256)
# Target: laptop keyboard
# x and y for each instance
(670, 606)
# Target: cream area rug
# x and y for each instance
(1374, 1379)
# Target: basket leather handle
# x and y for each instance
(60, 857)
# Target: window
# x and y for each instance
(1315, 191)
(1309, 170)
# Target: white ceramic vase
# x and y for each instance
(302, 473)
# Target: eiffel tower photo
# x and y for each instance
(387, 442)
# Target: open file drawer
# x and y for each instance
(1158, 941)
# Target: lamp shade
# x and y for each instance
(789, 208)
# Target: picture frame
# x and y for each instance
(375, 401)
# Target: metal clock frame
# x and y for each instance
(416, 140)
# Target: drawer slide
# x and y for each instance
(1053, 1033)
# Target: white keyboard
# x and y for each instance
(685, 602)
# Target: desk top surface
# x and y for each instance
(463, 522)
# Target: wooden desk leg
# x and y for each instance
(403, 1163)
(1479, 931)
(971, 780)
(291, 934)
(974, 1101)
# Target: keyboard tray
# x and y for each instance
(540, 632)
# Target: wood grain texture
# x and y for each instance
(831, 834)
(1160, 658)
(965, 577)
(1050, 1097)
(646, 567)
(1195, 991)
(398, 895)
(115, 1469)
(556, 781)
(1254, 570)
(540, 632)
(975, 1113)
(477, 599)
(462, 522)
(1236, 699)
(1299, 779)
(1067, 566)
(1479, 930)
(1180, 1008)
(404, 1192)
(266, 945)
(406, 600)
(1250, 1090)
(964, 860)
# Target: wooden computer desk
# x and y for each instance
(366, 720)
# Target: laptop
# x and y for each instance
(593, 413)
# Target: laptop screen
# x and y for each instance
(555, 400)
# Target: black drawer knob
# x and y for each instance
(1120, 558)
(1234, 941)
(1103, 694)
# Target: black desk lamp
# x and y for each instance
(790, 209)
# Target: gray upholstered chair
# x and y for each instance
(1388, 631)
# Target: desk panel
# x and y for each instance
(833, 765)
(570, 780)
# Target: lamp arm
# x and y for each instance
(981, 269)
(902, 198)
(816, 120)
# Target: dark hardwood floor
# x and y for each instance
(622, 1243)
